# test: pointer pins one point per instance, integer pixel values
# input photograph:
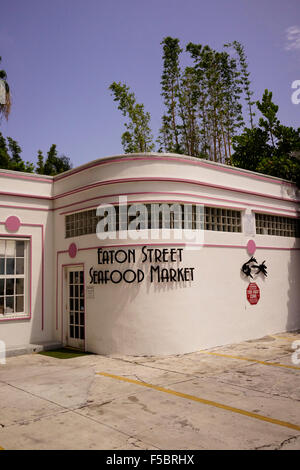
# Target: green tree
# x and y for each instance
(55, 164)
(170, 83)
(244, 78)
(6, 106)
(4, 155)
(40, 164)
(16, 162)
(137, 137)
(219, 108)
(269, 148)
(269, 111)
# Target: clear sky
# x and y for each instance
(61, 56)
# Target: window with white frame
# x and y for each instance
(13, 278)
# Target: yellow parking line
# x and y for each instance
(250, 360)
(204, 401)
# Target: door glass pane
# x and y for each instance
(19, 286)
(20, 249)
(1, 286)
(1, 305)
(1, 265)
(76, 306)
(10, 286)
(20, 303)
(10, 266)
(2, 247)
(10, 248)
(9, 305)
(20, 266)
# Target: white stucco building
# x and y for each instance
(157, 293)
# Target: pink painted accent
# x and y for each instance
(27, 317)
(152, 192)
(32, 196)
(170, 180)
(147, 201)
(165, 193)
(12, 223)
(166, 159)
(206, 245)
(72, 250)
(131, 180)
(251, 247)
(161, 201)
(45, 209)
(24, 177)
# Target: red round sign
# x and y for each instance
(253, 293)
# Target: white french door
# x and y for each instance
(75, 307)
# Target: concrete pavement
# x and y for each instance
(243, 396)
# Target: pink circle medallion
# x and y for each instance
(251, 247)
(12, 223)
(72, 250)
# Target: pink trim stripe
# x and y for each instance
(32, 196)
(206, 245)
(146, 201)
(142, 193)
(180, 201)
(171, 180)
(172, 194)
(137, 180)
(25, 317)
(24, 177)
(46, 209)
(203, 163)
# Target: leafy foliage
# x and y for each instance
(10, 159)
(137, 137)
(270, 147)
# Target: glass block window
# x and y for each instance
(12, 277)
(176, 216)
(81, 223)
(267, 224)
(222, 220)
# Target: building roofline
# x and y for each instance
(171, 156)
(142, 156)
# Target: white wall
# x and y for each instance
(183, 317)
